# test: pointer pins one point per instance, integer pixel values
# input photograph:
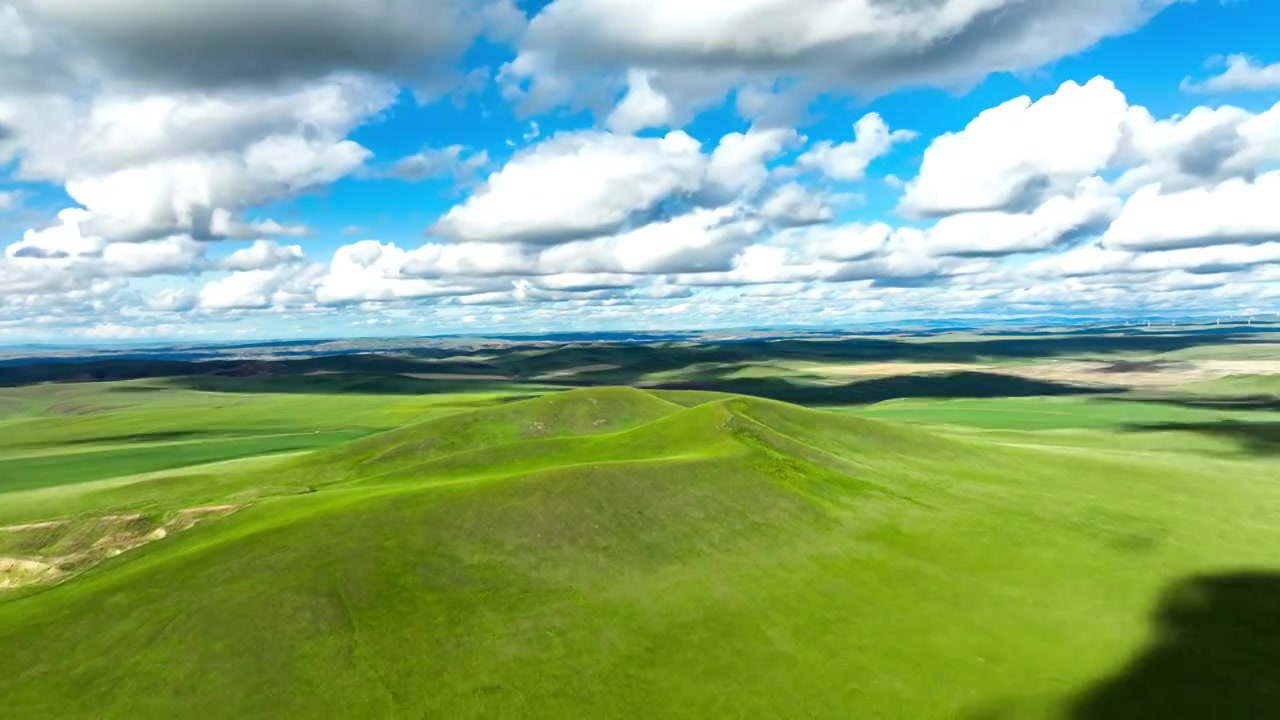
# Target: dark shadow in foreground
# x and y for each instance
(1215, 654)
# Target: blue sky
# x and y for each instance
(225, 170)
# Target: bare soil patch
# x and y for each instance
(117, 534)
(1139, 374)
(189, 517)
(896, 368)
(1244, 367)
(34, 526)
(69, 408)
(17, 572)
(209, 510)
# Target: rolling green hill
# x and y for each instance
(618, 553)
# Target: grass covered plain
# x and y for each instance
(616, 552)
(1059, 413)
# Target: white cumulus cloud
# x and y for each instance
(1233, 211)
(849, 161)
(1240, 72)
(1015, 155)
(576, 185)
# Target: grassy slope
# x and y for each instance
(1053, 413)
(51, 470)
(739, 558)
(66, 434)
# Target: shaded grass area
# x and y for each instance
(379, 374)
(1214, 647)
(1236, 425)
(1258, 438)
(345, 382)
(1202, 402)
(362, 365)
(690, 556)
(781, 383)
(942, 385)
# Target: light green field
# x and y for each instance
(613, 552)
(1056, 413)
(66, 434)
(1238, 385)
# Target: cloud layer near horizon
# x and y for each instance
(170, 127)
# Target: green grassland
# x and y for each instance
(1059, 413)
(359, 543)
(66, 434)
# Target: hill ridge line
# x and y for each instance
(679, 410)
(530, 442)
(404, 429)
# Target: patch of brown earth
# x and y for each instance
(34, 526)
(896, 368)
(116, 544)
(186, 519)
(70, 408)
(476, 359)
(1128, 373)
(17, 572)
(1244, 367)
(210, 510)
(124, 533)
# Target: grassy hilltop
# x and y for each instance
(516, 551)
